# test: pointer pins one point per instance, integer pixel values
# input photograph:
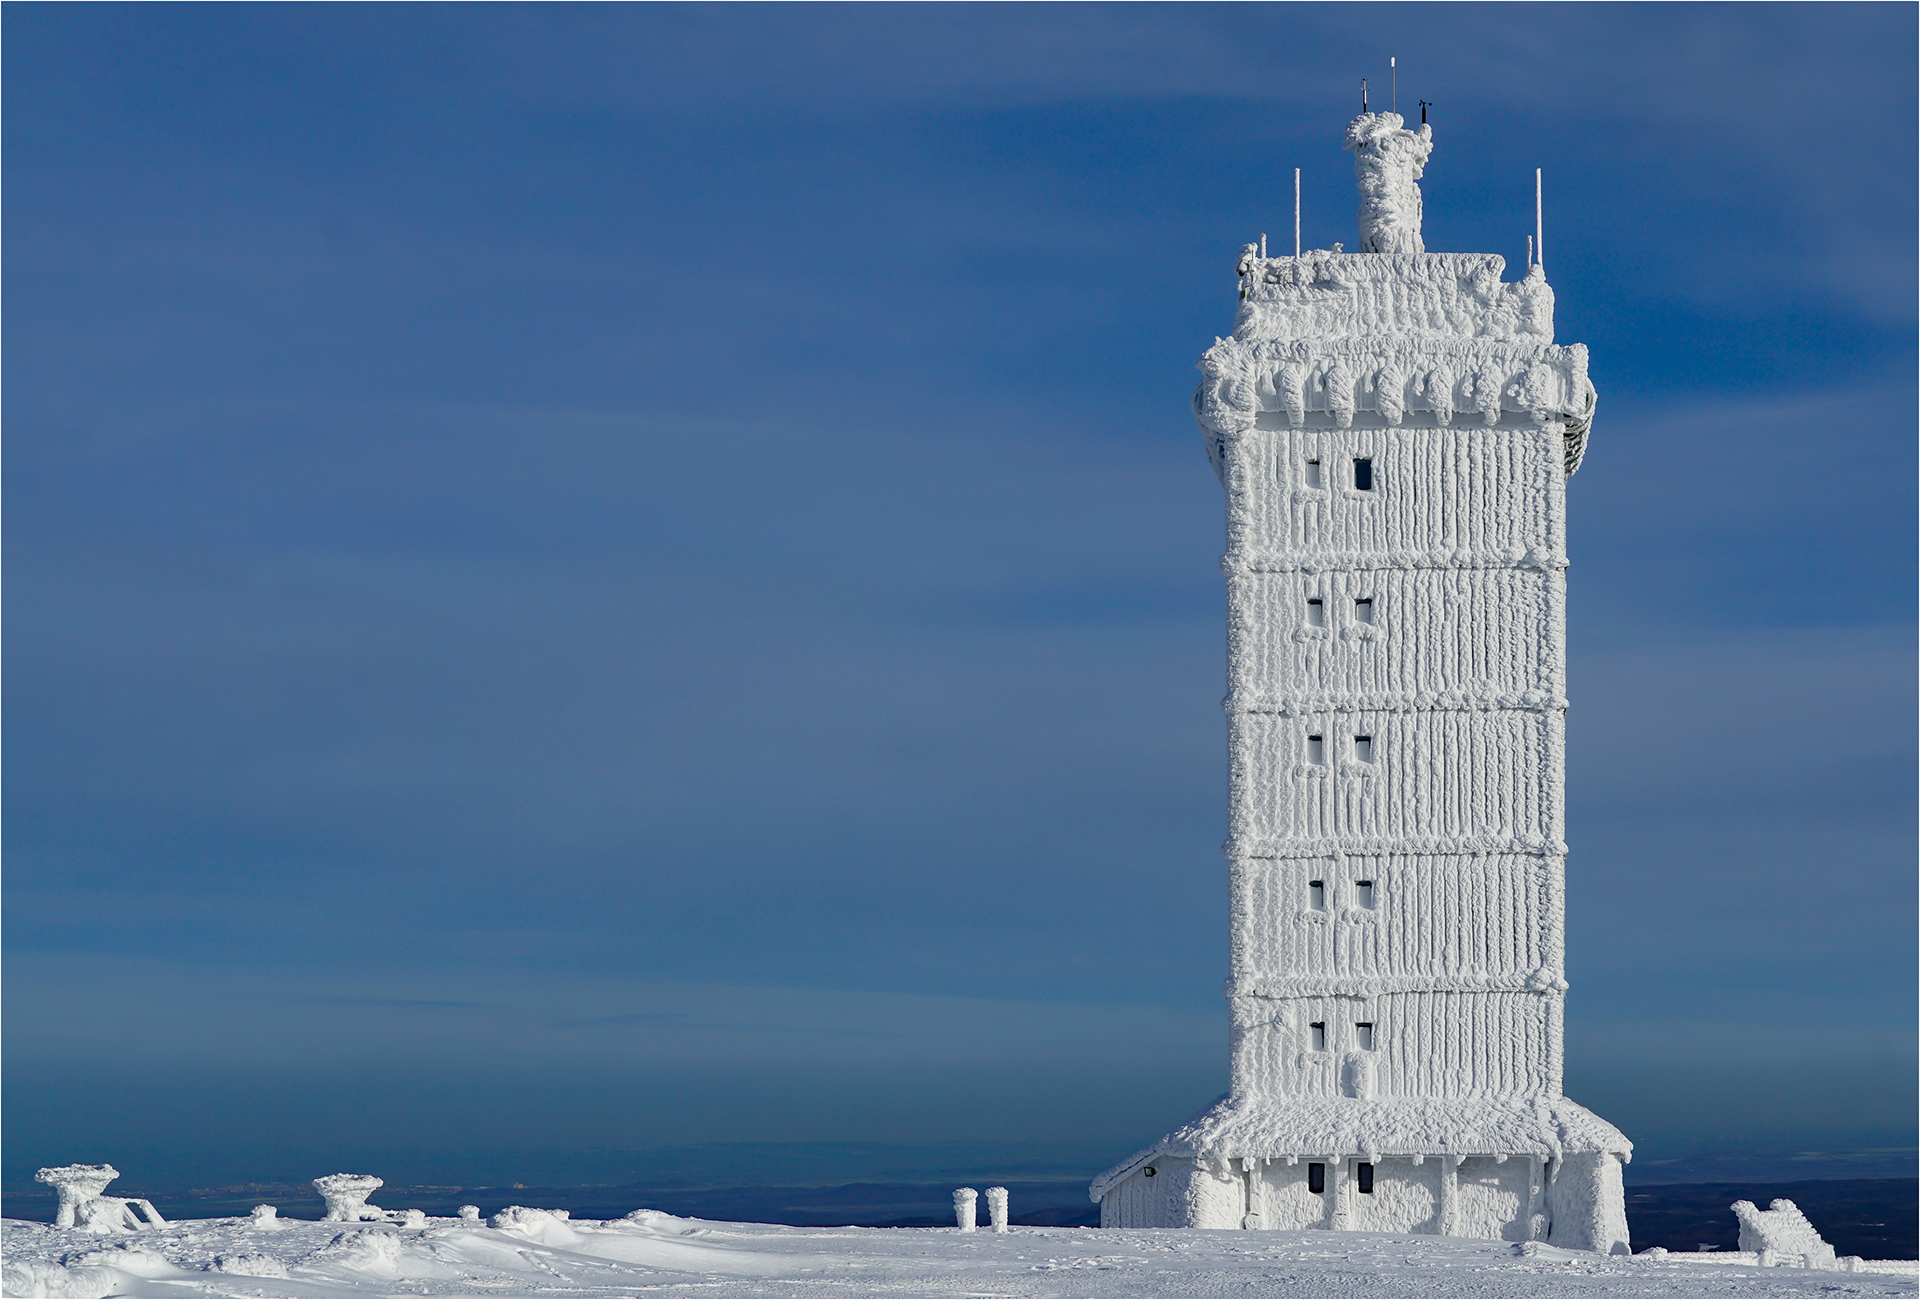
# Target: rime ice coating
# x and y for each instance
(1387, 160)
(82, 1204)
(1394, 430)
(346, 1197)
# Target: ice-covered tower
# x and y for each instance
(1394, 429)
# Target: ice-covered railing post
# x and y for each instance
(1387, 160)
(963, 1199)
(82, 1205)
(1781, 1230)
(997, 1208)
(346, 1197)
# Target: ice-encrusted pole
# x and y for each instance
(963, 1199)
(1539, 227)
(997, 1208)
(1387, 160)
(1296, 212)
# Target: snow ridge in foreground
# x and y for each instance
(530, 1252)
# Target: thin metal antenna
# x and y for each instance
(1263, 245)
(1296, 212)
(1393, 66)
(1363, 94)
(1424, 106)
(1539, 229)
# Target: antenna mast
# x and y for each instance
(1296, 212)
(1539, 230)
(1393, 69)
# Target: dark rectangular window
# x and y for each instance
(1317, 1179)
(1363, 1035)
(1317, 895)
(1316, 613)
(1316, 749)
(1363, 748)
(1363, 610)
(1313, 474)
(1363, 893)
(1363, 473)
(1318, 1031)
(1363, 1174)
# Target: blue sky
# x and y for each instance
(603, 578)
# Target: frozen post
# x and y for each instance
(346, 1197)
(470, 1213)
(997, 1208)
(1539, 226)
(963, 1199)
(82, 1205)
(1296, 213)
(265, 1216)
(1387, 160)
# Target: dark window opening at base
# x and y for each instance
(1363, 1174)
(1363, 473)
(1317, 1179)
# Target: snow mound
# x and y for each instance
(366, 1250)
(548, 1227)
(38, 1277)
(249, 1265)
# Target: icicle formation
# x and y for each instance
(1387, 160)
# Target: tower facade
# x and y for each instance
(1394, 430)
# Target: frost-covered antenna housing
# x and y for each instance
(1394, 430)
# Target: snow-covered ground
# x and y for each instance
(537, 1253)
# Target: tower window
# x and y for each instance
(1363, 893)
(1316, 749)
(1363, 748)
(1363, 473)
(1317, 895)
(1317, 1033)
(1363, 610)
(1363, 1175)
(1313, 475)
(1316, 613)
(1363, 1035)
(1317, 1179)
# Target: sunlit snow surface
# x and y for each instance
(650, 1254)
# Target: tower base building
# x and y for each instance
(1394, 430)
